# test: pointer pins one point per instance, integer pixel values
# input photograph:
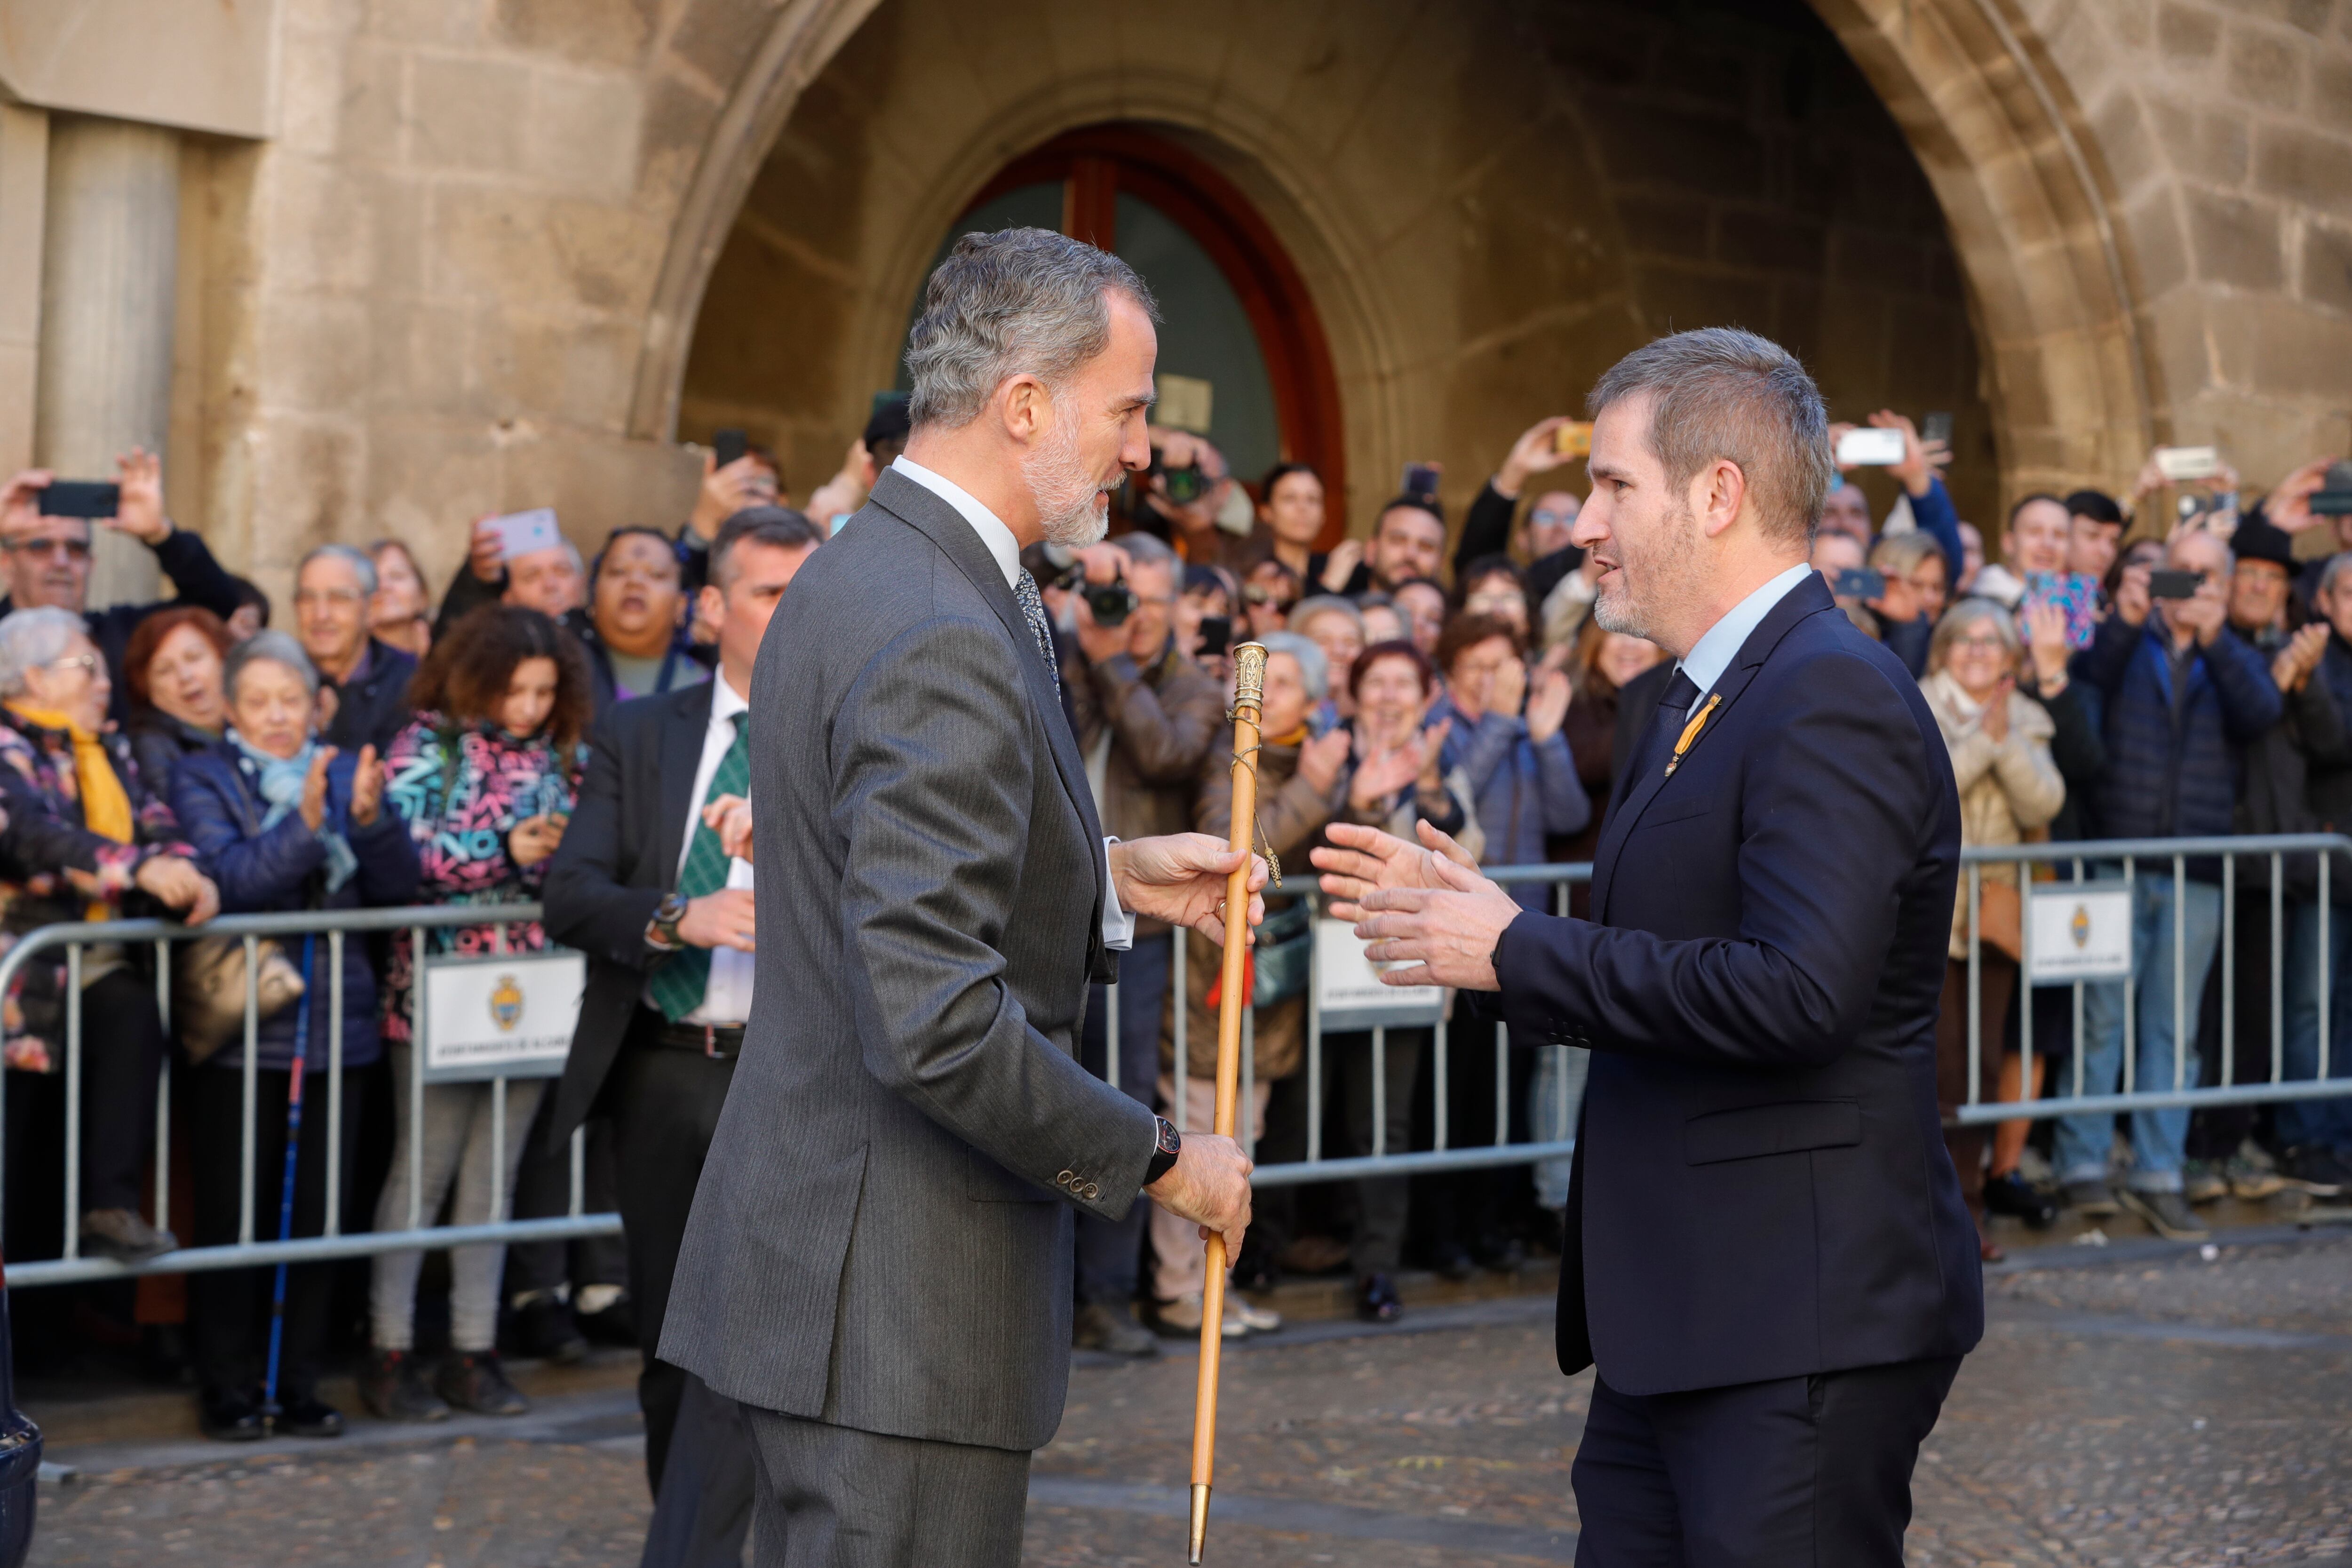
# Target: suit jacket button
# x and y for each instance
(1065, 1178)
(1094, 1191)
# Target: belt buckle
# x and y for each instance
(709, 1041)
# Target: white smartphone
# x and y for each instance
(520, 532)
(1869, 447)
(2178, 464)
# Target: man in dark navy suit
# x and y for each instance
(1768, 1259)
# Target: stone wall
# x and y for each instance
(1487, 211)
(465, 268)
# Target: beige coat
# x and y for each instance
(2008, 788)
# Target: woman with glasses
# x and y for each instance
(2010, 786)
(84, 838)
(289, 824)
(1268, 590)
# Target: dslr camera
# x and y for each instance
(1109, 602)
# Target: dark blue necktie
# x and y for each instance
(1666, 724)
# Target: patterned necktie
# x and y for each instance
(1024, 588)
(678, 985)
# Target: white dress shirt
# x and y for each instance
(727, 996)
(1118, 925)
(1713, 653)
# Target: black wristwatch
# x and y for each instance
(662, 931)
(1163, 1158)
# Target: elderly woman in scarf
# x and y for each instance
(287, 824)
(85, 839)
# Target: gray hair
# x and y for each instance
(1961, 618)
(32, 638)
(1021, 301)
(1723, 393)
(1314, 670)
(272, 647)
(1145, 550)
(1316, 604)
(351, 556)
(2336, 566)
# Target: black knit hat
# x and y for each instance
(2256, 540)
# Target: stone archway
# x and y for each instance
(2049, 279)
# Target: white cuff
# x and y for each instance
(1118, 925)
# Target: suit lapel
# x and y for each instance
(684, 722)
(930, 515)
(1808, 597)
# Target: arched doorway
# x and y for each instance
(1242, 357)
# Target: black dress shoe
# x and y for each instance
(2013, 1195)
(1376, 1301)
(477, 1382)
(307, 1416)
(542, 1330)
(230, 1416)
(1503, 1253)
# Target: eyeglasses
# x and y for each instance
(1982, 644)
(304, 597)
(1547, 518)
(1257, 595)
(85, 662)
(73, 549)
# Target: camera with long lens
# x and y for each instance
(1109, 602)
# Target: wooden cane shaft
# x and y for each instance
(1241, 835)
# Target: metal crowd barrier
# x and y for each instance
(2123, 866)
(335, 926)
(1557, 1089)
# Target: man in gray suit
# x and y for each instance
(877, 1264)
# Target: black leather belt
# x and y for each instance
(704, 1039)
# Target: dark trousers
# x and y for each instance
(1797, 1470)
(1111, 1251)
(1996, 990)
(663, 1105)
(122, 1058)
(2215, 1131)
(703, 1512)
(228, 1309)
(834, 1497)
(1381, 1202)
(543, 1190)
(1471, 1209)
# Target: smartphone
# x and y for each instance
(1862, 582)
(1868, 448)
(1420, 479)
(520, 532)
(1216, 634)
(1573, 439)
(81, 498)
(729, 447)
(2179, 464)
(2333, 497)
(2167, 584)
(1937, 427)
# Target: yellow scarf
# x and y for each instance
(105, 804)
(1296, 738)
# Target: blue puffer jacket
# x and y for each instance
(217, 795)
(2173, 773)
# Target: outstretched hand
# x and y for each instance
(1425, 906)
(1179, 877)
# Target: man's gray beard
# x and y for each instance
(1067, 498)
(1617, 614)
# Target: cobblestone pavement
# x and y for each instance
(2141, 1407)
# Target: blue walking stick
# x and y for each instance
(271, 1412)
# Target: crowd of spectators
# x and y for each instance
(387, 750)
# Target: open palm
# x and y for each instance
(1365, 858)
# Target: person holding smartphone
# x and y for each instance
(2182, 692)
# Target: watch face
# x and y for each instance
(1170, 1143)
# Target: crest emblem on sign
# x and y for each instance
(2080, 926)
(506, 1003)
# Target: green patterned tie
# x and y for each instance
(677, 986)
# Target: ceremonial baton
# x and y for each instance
(1249, 699)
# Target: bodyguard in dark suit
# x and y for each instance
(878, 1263)
(643, 885)
(1766, 1258)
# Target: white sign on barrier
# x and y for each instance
(1350, 994)
(506, 1015)
(2078, 932)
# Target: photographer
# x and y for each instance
(1486, 528)
(1408, 541)
(1923, 485)
(1146, 716)
(49, 558)
(2182, 694)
